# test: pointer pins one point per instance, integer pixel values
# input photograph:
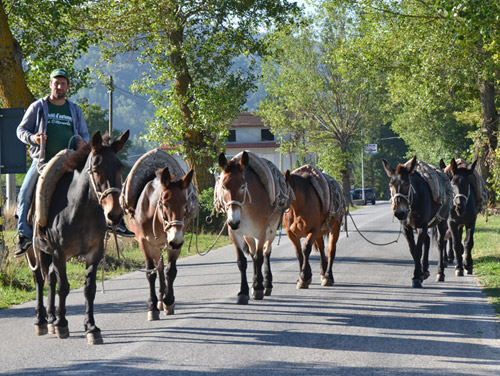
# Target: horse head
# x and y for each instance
(105, 170)
(401, 188)
(172, 205)
(234, 187)
(461, 176)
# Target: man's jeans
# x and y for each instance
(25, 198)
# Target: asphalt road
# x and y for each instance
(371, 322)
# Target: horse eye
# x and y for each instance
(224, 188)
(97, 160)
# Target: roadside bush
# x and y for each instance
(206, 208)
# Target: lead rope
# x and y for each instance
(369, 241)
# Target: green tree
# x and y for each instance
(189, 47)
(36, 37)
(320, 92)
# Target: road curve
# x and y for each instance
(371, 322)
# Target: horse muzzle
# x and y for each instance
(401, 214)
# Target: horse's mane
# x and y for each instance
(76, 161)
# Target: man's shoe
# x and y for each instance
(122, 230)
(23, 244)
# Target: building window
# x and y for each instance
(266, 135)
(232, 136)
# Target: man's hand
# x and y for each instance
(40, 138)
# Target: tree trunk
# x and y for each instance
(14, 92)
(489, 128)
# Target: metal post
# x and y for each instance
(110, 91)
(11, 191)
(362, 174)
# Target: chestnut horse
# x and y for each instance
(252, 220)
(85, 201)
(308, 218)
(414, 206)
(160, 222)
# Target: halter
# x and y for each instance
(101, 195)
(408, 197)
(458, 196)
(164, 221)
(239, 203)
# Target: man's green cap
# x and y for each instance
(59, 73)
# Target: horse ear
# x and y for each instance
(96, 141)
(186, 179)
(164, 175)
(388, 169)
(442, 165)
(244, 161)
(222, 161)
(119, 144)
(453, 166)
(287, 176)
(473, 165)
(410, 165)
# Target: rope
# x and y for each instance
(369, 241)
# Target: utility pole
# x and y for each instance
(110, 91)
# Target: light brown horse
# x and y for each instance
(252, 221)
(307, 218)
(159, 222)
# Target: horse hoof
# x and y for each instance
(243, 299)
(153, 315)
(62, 331)
(440, 278)
(51, 328)
(169, 309)
(469, 270)
(94, 338)
(258, 294)
(41, 330)
(326, 281)
(160, 305)
(426, 275)
(459, 272)
(417, 284)
(268, 291)
(301, 284)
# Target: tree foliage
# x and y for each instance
(189, 47)
(320, 91)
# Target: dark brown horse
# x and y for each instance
(463, 213)
(252, 220)
(414, 206)
(160, 222)
(309, 217)
(85, 201)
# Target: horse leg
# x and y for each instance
(243, 295)
(442, 229)
(298, 253)
(319, 244)
(93, 333)
(258, 278)
(168, 297)
(417, 272)
(41, 314)
(51, 296)
(332, 251)
(61, 324)
(425, 257)
(305, 275)
(469, 243)
(153, 304)
(268, 276)
(456, 233)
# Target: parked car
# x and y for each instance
(357, 194)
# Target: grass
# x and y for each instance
(16, 280)
(486, 257)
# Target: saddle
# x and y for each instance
(278, 190)
(51, 173)
(144, 170)
(328, 189)
(437, 181)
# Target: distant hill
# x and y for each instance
(133, 111)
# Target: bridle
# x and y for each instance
(246, 193)
(408, 198)
(458, 196)
(101, 195)
(164, 220)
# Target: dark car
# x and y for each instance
(357, 194)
